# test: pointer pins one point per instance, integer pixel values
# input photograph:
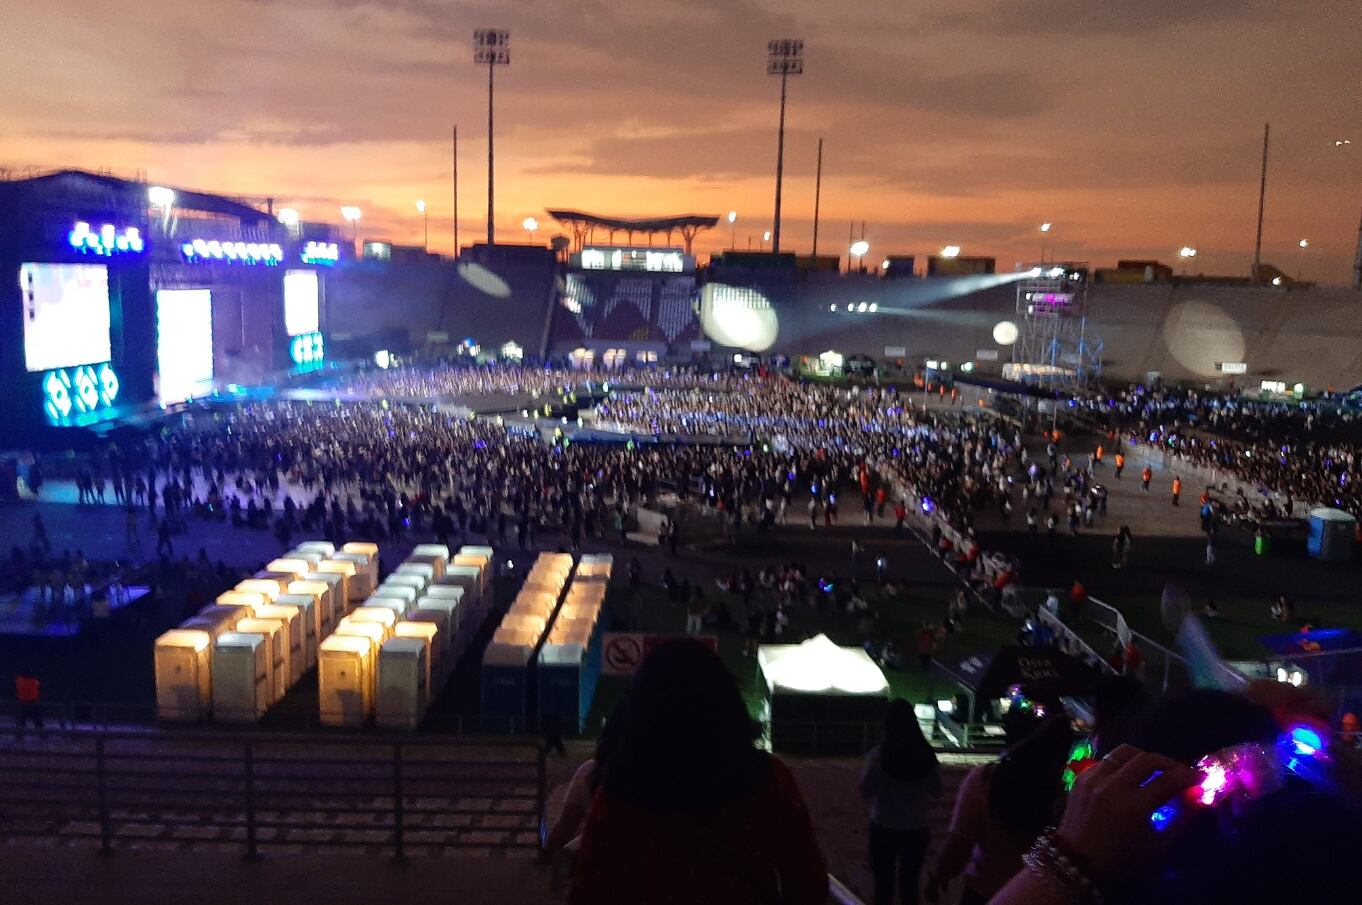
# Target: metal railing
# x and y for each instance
(256, 791)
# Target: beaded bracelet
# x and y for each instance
(1047, 859)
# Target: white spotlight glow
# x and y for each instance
(1005, 333)
(160, 196)
(950, 251)
(860, 247)
(289, 217)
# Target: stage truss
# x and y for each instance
(1054, 347)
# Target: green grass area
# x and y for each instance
(1242, 622)
(899, 618)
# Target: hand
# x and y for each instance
(1106, 820)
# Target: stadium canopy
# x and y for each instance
(584, 226)
(81, 189)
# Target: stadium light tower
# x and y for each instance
(425, 225)
(352, 215)
(493, 47)
(1186, 252)
(732, 230)
(1044, 230)
(784, 58)
(530, 225)
(859, 249)
(950, 251)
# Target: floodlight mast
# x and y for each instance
(493, 47)
(784, 58)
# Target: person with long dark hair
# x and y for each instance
(689, 809)
(900, 779)
(1000, 810)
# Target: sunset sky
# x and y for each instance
(1135, 126)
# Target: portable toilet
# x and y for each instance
(289, 566)
(344, 684)
(248, 599)
(480, 562)
(269, 587)
(220, 615)
(324, 547)
(308, 614)
(184, 678)
(350, 589)
(378, 615)
(397, 590)
(242, 688)
(428, 630)
(1332, 535)
(333, 602)
(447, 611)
(403, 683)
(274, 633)
(436, 551)
(311, 557)
(280, 578)
(417, 574)
(294, 632)
(397, 606)
(363, 548)
(375, 632)
(484, 551)
(366, 572)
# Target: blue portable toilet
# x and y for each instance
(1331, 534)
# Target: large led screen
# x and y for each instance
(300, 302)
(66, 315)
(184, 343)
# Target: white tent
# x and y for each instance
(820, 667)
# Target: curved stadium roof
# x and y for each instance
(642, 225)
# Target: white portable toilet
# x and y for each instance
(247, 599)
(311, 557)
(242, 686)
(418, 575)
(270, 588)
(365, 578)
(306, 605)
(403, 683)
(289, 566)
(344, 683)
(333, 601)
(377, 615)
(363, 548)
(324, 547)
(275, 635)
(350, 588)
(447, 611)
(294, 631)
(480, 562)
(404, 592)
(184, 677)
(280, 578)
(398, 606)
(437, 551)
(429, 632)
(376, 632)
(223, 618)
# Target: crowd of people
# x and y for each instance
(1306, 453)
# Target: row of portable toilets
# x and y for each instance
(547, 648)
(377, 660)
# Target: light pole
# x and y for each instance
(530, 225)
(784, 58)
(732, 230)
(493, 47)
(765, 237)
(858, 250)
(425, 226)
(1186, 252)
(352, 215)
(1044, 228)
(1303, 244)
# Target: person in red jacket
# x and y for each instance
(689, 809)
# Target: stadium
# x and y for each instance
(394, 543)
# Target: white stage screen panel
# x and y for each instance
(66, 315)
(301, 302)
(184, 343)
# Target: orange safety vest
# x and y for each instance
(1120, 460)
(1177, 485)
(26, 689)
(1099, 452)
